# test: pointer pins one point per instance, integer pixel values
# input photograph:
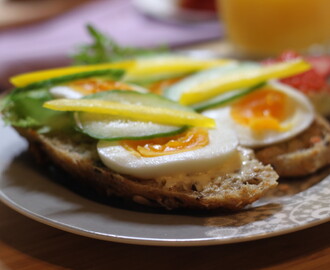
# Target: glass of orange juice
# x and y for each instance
(261, 28)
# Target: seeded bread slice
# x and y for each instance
(77, 156)
(302, 155)
(321, 100)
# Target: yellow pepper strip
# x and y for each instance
(28, 78)
(243, 78)
(134, 68)
(132, 111)
(175, 64)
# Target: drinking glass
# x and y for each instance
(259, 28)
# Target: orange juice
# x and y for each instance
(267, 27)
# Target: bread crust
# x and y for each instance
(303, 155)
(81, 161)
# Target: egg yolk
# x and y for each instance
(192, 139)
(93, 85)
(261, 110)
(160, 86)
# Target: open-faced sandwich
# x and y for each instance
(171, 131)
(275, 119)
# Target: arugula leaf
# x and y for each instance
(104, 49)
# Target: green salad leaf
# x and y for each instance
(24, 109)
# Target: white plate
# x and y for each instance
(295, 205)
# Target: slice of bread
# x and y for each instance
(302, 155)
(77, 155)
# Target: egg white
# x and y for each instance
(300, 115)
(64, 91)
(222, 146)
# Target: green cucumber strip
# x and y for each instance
(225, 98)
(134, 97)
(147, 80)
(175, 91)
(115, 74)
(111, 128)
(108, 127)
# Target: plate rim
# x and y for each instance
(151, 241)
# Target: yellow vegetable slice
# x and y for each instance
(132, 111)
(171, 65)
(242, 78)
(136, 68)
(32, 77)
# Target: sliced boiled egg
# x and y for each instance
(82, 87)
(196, 150)
(272, 114)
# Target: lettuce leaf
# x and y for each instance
(24, 109)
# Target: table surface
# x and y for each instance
(26, 244)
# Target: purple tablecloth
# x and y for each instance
(47, 44)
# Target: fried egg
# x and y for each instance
(82, 87)
(193, 151)
(275, 113)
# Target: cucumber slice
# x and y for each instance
(133, 97)
(245, 77)
(176, 90)
(225, 98)
(108, 127)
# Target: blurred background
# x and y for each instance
(38, 34)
